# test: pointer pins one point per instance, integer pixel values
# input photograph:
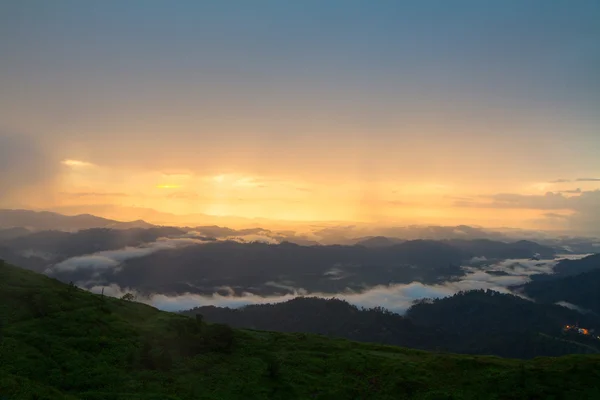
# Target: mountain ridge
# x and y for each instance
(47, 220)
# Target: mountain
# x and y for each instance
(166, 218)
(55, 246)
(476, 322)
(580, 291)
(260, 268)
(504, 324)
(60, 342)
(503, 250)
(270, 269)
(330, 317)
(493, 249)
(575, 267)
(11, 233)
(434, 232)
(378, 241)
(45, 220)
(573, 245)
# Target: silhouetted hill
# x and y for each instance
(488, 321)
(331, 317)
(479, 311)
(378, 241)
(44, 220)
(575, 267)
(476, 322)
(582, 290)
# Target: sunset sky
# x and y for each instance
(423, 111)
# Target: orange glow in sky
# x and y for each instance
(376, 112)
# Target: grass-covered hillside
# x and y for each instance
(59, 342)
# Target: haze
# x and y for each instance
(388, 112)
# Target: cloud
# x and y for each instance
(77, 164)
(253, 238)
(397, 298)
(283, 286)
(576, 180)
(168, 186)
(110, 259)
(585, 207)
(556, 216)
(476, 260)
(114, 258)
(94, 194)
(572, 307)
(177, 175)
(524, 267)
(400, 203)
(587, 180)
(24, 165)
(183, 195)
(572, 191)
(548, 201)
(586, 217)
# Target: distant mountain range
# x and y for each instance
(42, 241)
(17, 222)
(259, 268)
(45, 220)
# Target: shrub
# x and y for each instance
(220, 337)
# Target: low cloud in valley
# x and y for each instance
(398, 298)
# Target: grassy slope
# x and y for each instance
(58, 342)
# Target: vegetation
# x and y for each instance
(575, 267)
(503, 324)
(331, 317)
(474, 322)
(59, 342)
(582, 290)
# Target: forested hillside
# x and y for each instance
(582, 291)
(475, 322)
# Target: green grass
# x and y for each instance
(60, 342)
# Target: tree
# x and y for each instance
(128, 297)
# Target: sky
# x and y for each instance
(423, 111)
